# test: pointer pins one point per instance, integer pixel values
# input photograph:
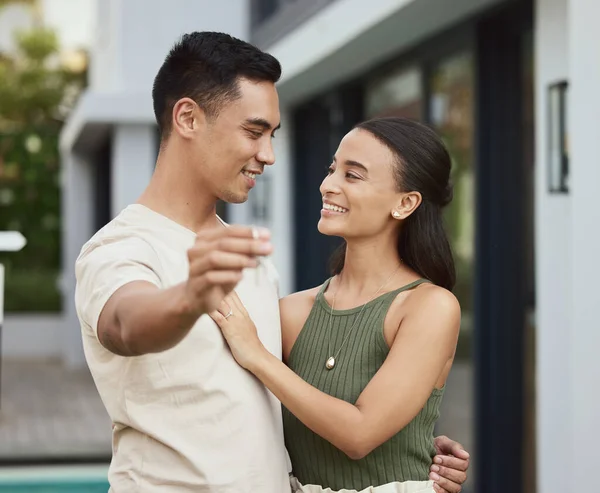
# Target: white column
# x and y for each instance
(282, 206)
(553, 267)
(584, 138)
(240, 213)
(78, 227)
(134, 151)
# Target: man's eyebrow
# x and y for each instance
(354, 164)
(261, 122)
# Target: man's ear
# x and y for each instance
(188, 117)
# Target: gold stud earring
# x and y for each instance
(396, 214)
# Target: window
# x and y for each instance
(398, 93)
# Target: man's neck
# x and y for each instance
(172, 194)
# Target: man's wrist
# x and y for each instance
(183, 310)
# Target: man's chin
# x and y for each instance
(235, 197)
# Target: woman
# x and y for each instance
(369, 351)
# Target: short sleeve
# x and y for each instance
(102, 269)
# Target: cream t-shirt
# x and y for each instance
(188, 419)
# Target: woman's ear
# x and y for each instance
(407, 204)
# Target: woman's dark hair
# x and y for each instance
(422, 165)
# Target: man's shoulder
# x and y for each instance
(118, 238)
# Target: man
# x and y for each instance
(186, 417)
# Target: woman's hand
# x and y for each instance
(239, 332)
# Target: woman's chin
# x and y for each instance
(326, 228)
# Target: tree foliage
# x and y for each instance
(36, 94)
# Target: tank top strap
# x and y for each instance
(384, 297)
(324, 288)
(408, 286)
(388, 298)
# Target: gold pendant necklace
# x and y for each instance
(330, 362)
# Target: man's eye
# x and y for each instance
(255, 135)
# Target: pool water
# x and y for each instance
(64, 479)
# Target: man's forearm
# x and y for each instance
(152, 320)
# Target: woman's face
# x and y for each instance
(359, 192)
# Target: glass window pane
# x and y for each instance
(452, 114)
(398, 93)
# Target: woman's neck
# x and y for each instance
(368, 265)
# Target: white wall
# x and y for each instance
(553, 266)
(73, 21)
(134, 149)
(282, 205)
(584, 132)
(568, 242)
(78, 227)
(134, 36)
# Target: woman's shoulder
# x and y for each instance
(429, 294)
(433, 302)
(299, 301)
(295, 309)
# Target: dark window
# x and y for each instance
(263, 9)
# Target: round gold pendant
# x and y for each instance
(330, 363)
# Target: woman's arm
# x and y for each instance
(425, 342)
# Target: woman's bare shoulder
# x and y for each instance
(296, 304)
(429, 295)
(295, 309)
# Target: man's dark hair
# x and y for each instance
(206, 67)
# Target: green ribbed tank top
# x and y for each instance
(407, 455)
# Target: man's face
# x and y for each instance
(235, 146)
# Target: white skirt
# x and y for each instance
(396, 487)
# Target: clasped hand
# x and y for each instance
(239, 331)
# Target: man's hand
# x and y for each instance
(217, 261)
(449, 468)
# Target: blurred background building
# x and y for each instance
(512, 87)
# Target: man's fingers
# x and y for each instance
(246, 246)
(220, 261)
(453, 475)
(242, 246)
(458, 450)
(234, 231)
(451, 462)
(448, 486)
(219, 278)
